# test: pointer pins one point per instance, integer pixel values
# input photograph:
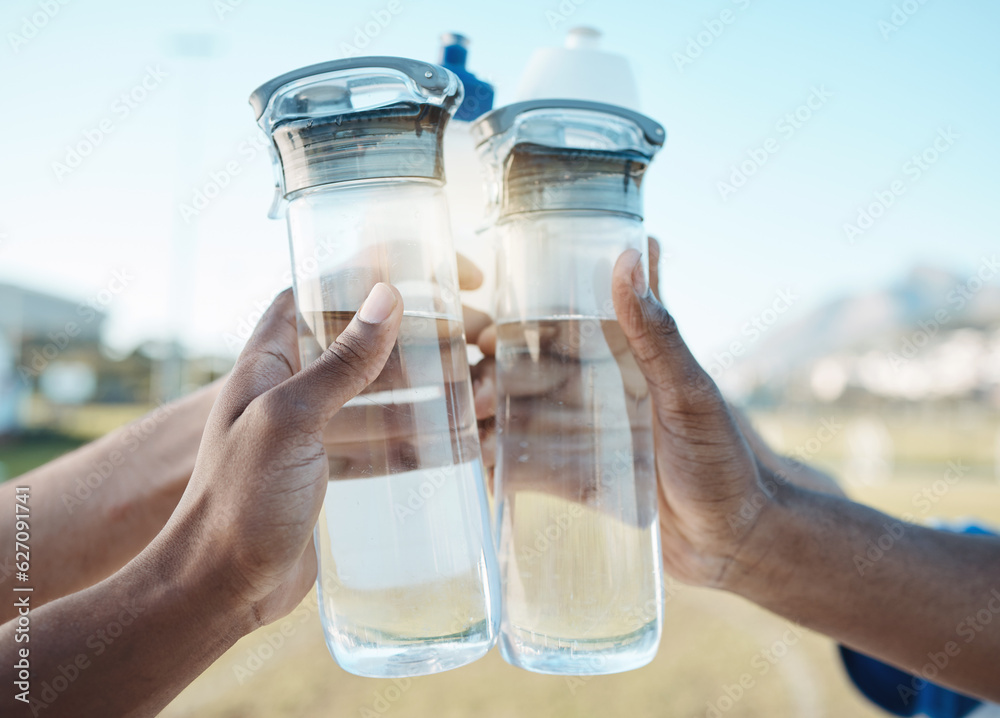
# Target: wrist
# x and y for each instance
(758, 564)
(188, 561)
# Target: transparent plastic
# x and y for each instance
(576, 503)
(408, 578)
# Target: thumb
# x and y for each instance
(355, 359)
(676, 380)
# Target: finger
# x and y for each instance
(654, 266)
(270, 357)
(484, 388)
(354, 360)
(469, 276)
(475, 322)
(676, 381)
(487, 340)
(488, 446)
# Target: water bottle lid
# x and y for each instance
(558, 154)
(503, 119)
(478, 98)
(359, 118)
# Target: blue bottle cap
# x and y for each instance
(478, 94)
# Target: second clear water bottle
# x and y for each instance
(408, 582)
(578, 539)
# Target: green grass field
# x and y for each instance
(710, 640)
(30, 452)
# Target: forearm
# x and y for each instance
(95, 508)
(128, 645)
(899, 592)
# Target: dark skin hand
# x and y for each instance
(797, 552)
(236, 553)
(233, 554)
(132, 480)
(796, 555)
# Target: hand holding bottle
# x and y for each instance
(262, 471)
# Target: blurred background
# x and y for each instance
(826, 202)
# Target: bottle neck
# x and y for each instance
(389, 143)
(537, 178)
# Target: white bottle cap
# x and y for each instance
(579, 71)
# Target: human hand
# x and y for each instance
(711, 465)
(706, 470)
(262, 471)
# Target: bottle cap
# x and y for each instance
(546, 155)
(478, 98)
(580, 70)
(359, 118)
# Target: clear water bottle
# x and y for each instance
(408, 581)
(576, 500)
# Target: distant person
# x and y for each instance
(127, 625)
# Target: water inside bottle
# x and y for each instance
(403, 539)
(578, 541)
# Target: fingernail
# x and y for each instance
(378, 306)
(639, 282)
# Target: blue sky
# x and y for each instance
(880, 94)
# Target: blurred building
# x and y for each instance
(47, 345)
(54, 369)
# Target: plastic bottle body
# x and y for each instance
(577, 532)
(408, 582)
